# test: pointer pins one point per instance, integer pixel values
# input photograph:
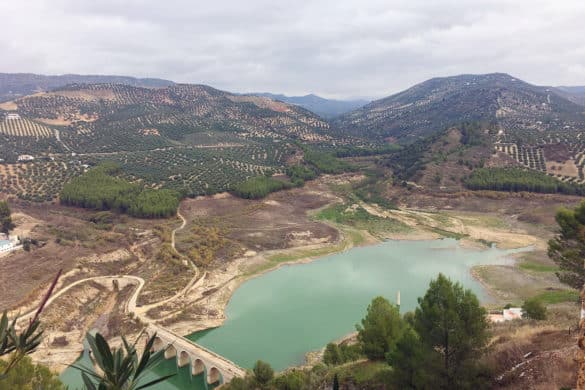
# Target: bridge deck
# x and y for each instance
(180, 343)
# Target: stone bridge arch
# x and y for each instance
(213, 376)
(198, 367)
(183, 359)
(158, 344)
(170, 352)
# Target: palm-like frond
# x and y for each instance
(121, 367)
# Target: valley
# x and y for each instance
(460, 175)
(255, 236)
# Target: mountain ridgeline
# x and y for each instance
(325, 108)
(15, 85)
(520, 110)
(197, 140)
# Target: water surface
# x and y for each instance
(281, 315)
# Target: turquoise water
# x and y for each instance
(281, 315)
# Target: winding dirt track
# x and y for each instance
(131, 305)
(174, 232)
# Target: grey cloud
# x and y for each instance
(337, 48)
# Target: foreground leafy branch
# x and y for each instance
(20, 344)
(121, 368)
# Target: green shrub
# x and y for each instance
(534, 309)
(259, 187)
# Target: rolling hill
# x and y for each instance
(15, 85)
(325, 108)
(191, 138)
(522, 112)
(523, 126)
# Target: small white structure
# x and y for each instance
(25, 157)
(7, 244)
(513, 313)
(12, 116)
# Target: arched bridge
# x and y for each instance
(202, 361)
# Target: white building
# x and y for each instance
(513, 313)
(7, 244)
(25, 157)
(12, 116)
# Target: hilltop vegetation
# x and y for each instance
(100, 189)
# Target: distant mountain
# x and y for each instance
(325, 108)
(575, 94)
(577, 90)
(520, 111)
(14, 85)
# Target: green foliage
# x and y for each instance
(471, 133)
(102, 220)
(373, 190)
(263, 372)
(6, 224)
(567, 249)
(259, 187)
(359, 218)
(451, 323)
(97, 189)
(338, 354)
(291, 380)
(299, 174)
(550, 297)
(325, 162)
(412, 364)
(18, 343)
(332, 355)
(537, 267)
(25, 375)
(121, 368)
(407, 162)
(380, 329)
(515, 180)
(154, 204)
(534, 309)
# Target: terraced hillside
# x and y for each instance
(538, 127)
(192, 138)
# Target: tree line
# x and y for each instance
(516, 179)
(100, 189)
(6, 224)
(259, 187)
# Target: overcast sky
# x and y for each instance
(337, 48)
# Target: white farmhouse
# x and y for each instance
(12, 116)
(25, 157)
